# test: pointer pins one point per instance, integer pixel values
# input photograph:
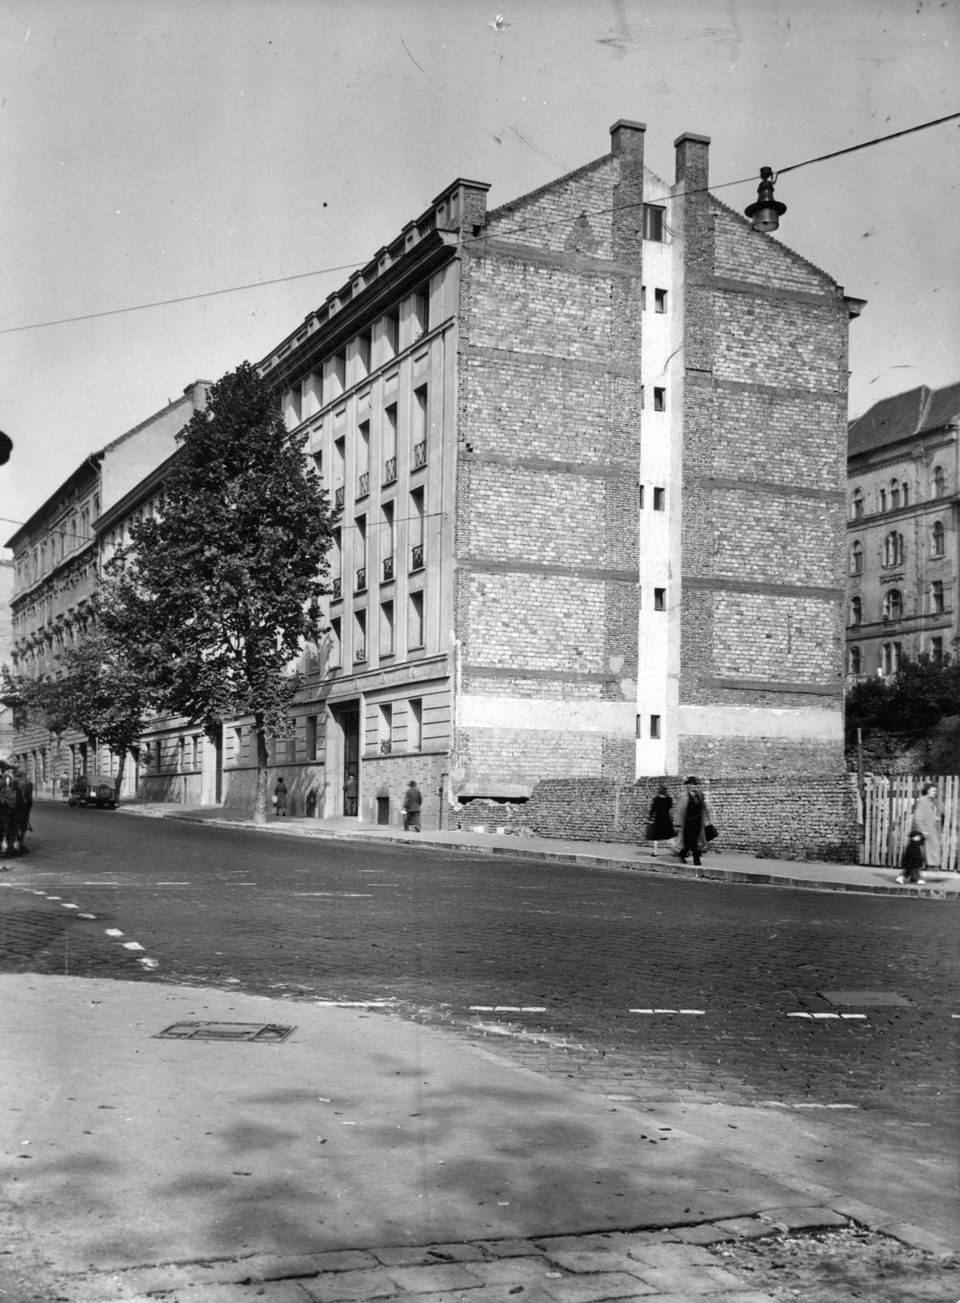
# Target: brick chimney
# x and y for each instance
(626, 145)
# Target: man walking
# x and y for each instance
(412, 805)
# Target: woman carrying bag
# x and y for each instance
(659, 822)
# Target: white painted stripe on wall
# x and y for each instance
(815, 724)
(549, 715)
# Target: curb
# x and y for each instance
(517, 849)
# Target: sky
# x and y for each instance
(160, 149)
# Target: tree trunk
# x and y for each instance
(260, 803)
(121, 765)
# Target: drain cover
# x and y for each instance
(225, 1031)
(866, 998)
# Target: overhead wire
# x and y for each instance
(539, 224)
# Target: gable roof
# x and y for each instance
(918, 411)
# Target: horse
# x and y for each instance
(16, 801)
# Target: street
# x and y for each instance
(568, 967)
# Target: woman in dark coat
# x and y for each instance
(659, 823)
(693, 815)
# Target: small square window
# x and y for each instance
(660, 300)
(654, 725)
(659, 599)
(659, 499)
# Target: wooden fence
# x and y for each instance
(886, 804)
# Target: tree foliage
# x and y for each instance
(214, 599)
(917, 697)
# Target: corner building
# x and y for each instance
(590, 453)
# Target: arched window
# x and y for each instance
(937, 539)
(856, 661)
(894, 495)
(893, 549)
(856, 505)
(936, 597)
(905, 494)
(939, 482)
(856, 611)
(890, 658)
(856, 558)
(936, 650)
(893, 605)
(882, 500)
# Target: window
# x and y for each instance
(363, 458)
(856, 559)
(659, 400)
(310, 737)
(336, 377)
(936, 650)
(415, 624)
(856, 611)
(855, 660)
(361, 554)
(421, 312)
(359, 637)
(659, 599)
(334, 657)
(936, 597)
(893, 605)
(416, 529)
(385, 728)
(294, 405)
(939, 482)
(894, 495)
(659, 300)
(938, 539)
(387, 541)
(653, 224)
(390, 444)
(882, 500)
(654, 726)
(339, 470)
(391, 333)
(419, 434)
(415, 724)
(364, 352)
(905, 494)
(659, 499)
(386, 629)
(856, 505)
(890, 658)
(893, 549)
(643, 307)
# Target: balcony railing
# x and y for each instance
(416, 557)
(361, 583)
(387, 568)
(390, 470)
(337, 593)
(419, 455)
(363, 484)
(386, 746)
(338, 496)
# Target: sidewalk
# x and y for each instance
(369, 1158)
(721, 865)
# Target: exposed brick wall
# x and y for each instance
(765, 262)
(792, 817)
(571, 214)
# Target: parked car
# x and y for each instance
(93, 789)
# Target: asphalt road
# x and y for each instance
(553, 960)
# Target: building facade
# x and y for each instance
(57, 563)
(589, 449)
(903, 532)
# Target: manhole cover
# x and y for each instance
(871, 998)
(225, 1031)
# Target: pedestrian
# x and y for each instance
(659, 821)
(280, 798)
(350, 795)
(912, 860)
(928, 820)
(693, 818)
(65, 786)
(412, 805)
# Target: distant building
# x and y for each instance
(903, 540)
(57, 567)
(589, 448)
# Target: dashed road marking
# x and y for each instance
(345, 895)
(508, 1008)
(86, 916)
(149, 963)
(851, 1017)
(697, 1013)
(65, 905)
(355, 1004)
(113, 932)
(171, 884)
(132, 945)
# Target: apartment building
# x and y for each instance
(903, 541)
(589, 449)
(57, 564)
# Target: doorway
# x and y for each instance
(349, 721)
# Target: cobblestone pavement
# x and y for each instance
(745, 1260)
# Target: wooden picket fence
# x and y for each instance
(886, 804)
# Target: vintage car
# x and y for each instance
(93, 789)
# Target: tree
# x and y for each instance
(916, 698)
(214, 599)
(95, 692)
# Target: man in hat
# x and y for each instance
(693, 816)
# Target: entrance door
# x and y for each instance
(350, 725)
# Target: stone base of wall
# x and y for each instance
(934, 752)
(786, 817)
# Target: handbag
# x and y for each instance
(710, 832)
